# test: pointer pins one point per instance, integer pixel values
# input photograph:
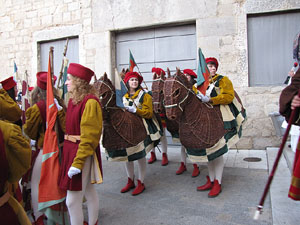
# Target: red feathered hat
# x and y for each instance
(80, 71)
(213, 61)
(190, 72)
(41, 81)
(129, 75)
(158, 71)
(8, 83)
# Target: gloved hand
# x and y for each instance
(131, 109)
(202, 97)
(73, 171)
(32, 142)
(57, 105)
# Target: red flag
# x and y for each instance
(132, 62)
(49, 192)
(202, 73)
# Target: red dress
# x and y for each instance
(73, 118)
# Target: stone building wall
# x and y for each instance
(221, 27)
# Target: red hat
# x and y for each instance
(213, 61)
(129, 75)
(80, 71)
(190, 72)
(158, 71)
(30, 88)
(9, 83)
(42, 80)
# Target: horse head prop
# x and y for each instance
(177, 91)
(106, 92)
(157, 92)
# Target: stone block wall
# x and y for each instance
(221, 27)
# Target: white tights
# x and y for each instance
(183, 155)
(164, 143)
(35, 181)
(74, 198)
(142, 169)
(215, 169)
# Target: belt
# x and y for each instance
(72, 138)
(4, 198)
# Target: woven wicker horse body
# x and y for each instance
(158, 107)
(200, 124)
(120, 126)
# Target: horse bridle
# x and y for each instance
(187, 95)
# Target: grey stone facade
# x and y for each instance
(221, 27)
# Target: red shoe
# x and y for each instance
(206, 186)
(196, 171)
(216, 189)
(39, 221)
(181, 169)
(139, 189)
(164, 160)
(129, 185)
(152, 158)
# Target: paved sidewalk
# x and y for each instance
(173, 199)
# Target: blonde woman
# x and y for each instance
(81, 153)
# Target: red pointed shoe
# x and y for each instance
(152, 158)
(129, 185)
(196, 170)
(216, 189)
(181, 169)
(139, 189)
(164, 160)
(206, 186)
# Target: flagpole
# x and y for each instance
(51, 63)
(141, 75)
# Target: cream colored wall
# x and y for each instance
(221, 27)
